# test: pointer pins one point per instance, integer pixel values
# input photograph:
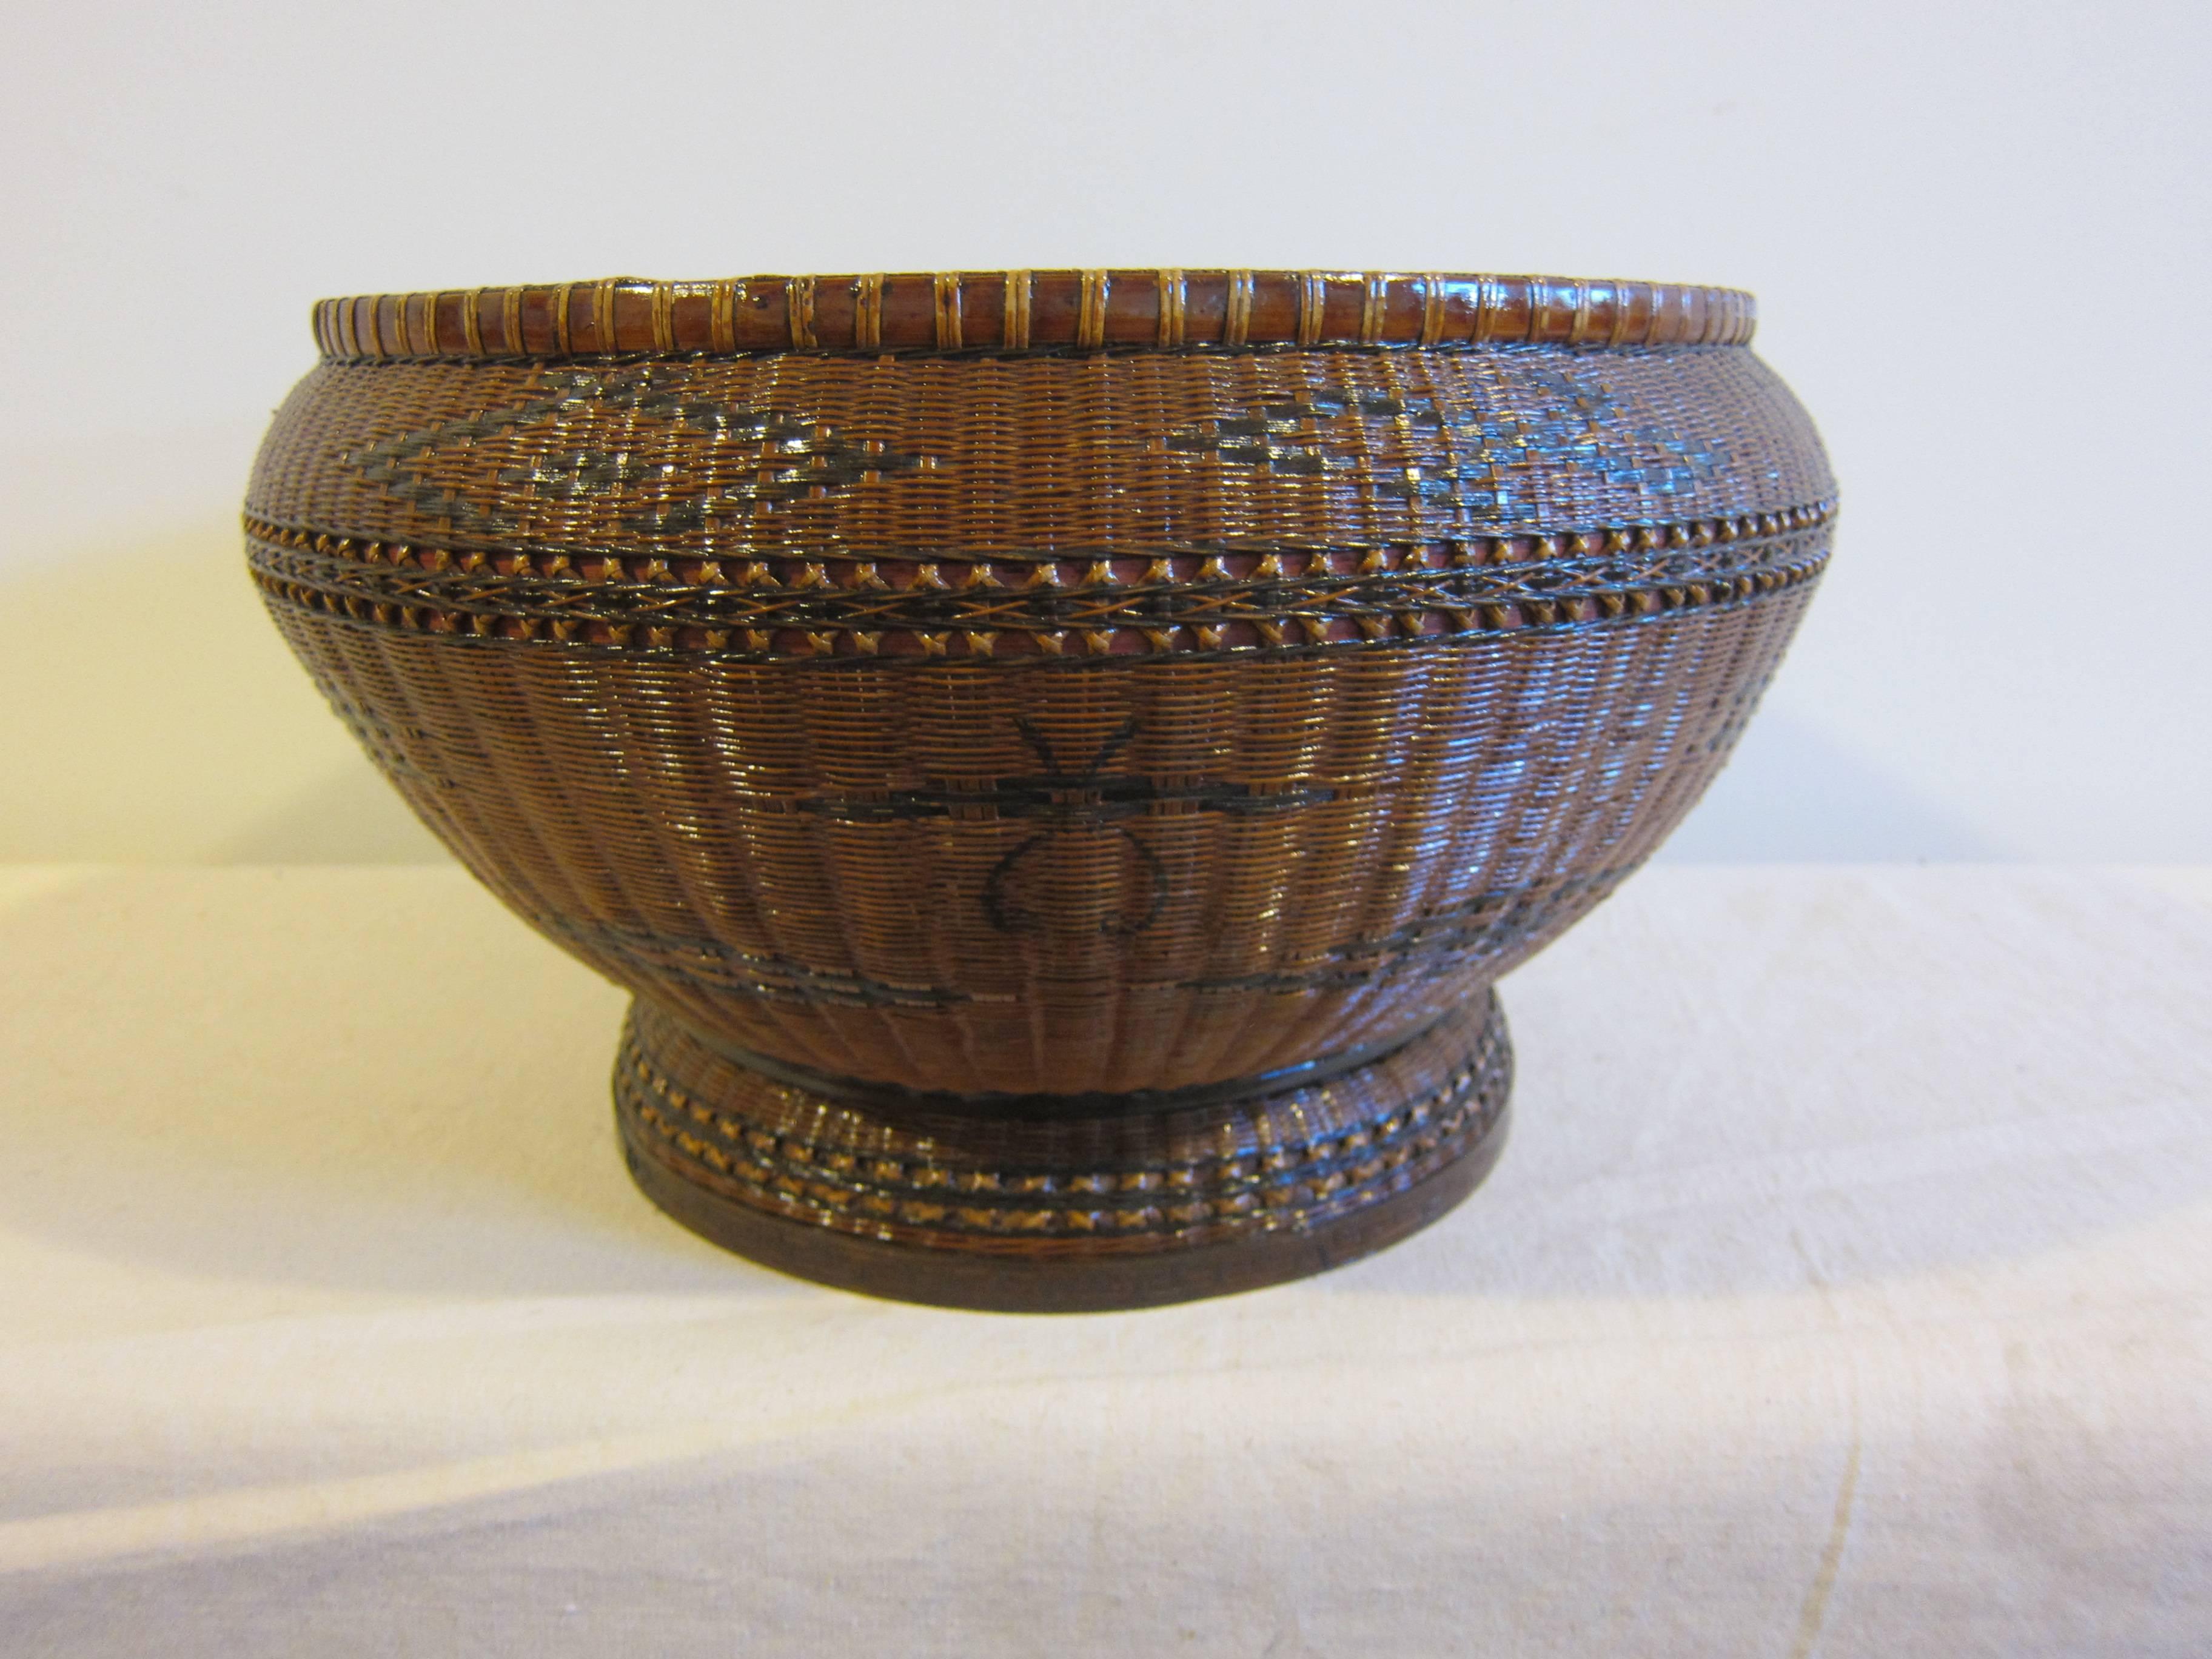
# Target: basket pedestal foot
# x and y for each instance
(1044, 1204)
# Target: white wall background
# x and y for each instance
(1977, 230)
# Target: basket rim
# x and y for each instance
(1162, 309)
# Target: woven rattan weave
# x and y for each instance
(1016, 732)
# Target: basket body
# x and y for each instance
(1026, 702)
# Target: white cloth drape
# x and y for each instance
(1846, 1288)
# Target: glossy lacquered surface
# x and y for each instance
(1005, 311)
(1110, 719)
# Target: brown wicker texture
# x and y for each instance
(1019, 1195)
(1131, 713)
(1004, 311)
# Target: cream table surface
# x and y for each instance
(1846, 1288)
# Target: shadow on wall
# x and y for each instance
(172, 727)
(348, 815)
(1794, 794)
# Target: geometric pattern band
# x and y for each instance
(949, 1201)
(1088, 606)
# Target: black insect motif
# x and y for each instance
(1059, 802)
(1065, 802)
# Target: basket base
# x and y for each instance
(1043, 1206)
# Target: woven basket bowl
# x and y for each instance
(1059, 756)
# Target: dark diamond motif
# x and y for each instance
(799, 456)
(1484, 456)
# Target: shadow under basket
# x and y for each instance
(1068, 1204)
